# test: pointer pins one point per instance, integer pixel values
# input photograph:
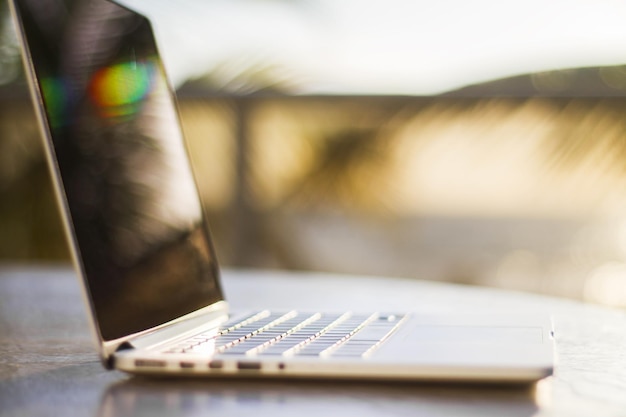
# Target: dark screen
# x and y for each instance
(142, 244)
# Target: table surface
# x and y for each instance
(48, 365)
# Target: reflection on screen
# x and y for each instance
(118, 90)
(143, 245)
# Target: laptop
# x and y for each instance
(142, 247)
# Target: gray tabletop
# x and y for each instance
(48, 365)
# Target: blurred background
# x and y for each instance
(481, 143)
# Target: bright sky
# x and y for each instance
(387, 46)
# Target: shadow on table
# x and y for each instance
(178, 397)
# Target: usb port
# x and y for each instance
(216, 365)
(149, 363)
(249, 366)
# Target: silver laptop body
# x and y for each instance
(142, 247)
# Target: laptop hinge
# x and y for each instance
(206, 317)
(109, 363)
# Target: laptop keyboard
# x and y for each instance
(295, 334)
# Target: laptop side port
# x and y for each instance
(249, 366)
(149, 363)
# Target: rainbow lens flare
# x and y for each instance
(55, 98)
(119, 90)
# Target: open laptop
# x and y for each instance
(142, 247)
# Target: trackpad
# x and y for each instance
(475, 334)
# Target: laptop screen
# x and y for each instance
(138, 229)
